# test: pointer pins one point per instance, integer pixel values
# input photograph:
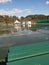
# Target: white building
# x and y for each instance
(29, 23)
(17, 25)
(23, 24)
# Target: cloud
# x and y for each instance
(4, 1)
(10, 12)
(47, 2)
(27, 10)
(14, 11)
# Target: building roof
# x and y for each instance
(17, 22)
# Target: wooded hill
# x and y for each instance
(11, 19)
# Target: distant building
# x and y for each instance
(17, 25)
(26, 24)
(23, 24)
(29, 23)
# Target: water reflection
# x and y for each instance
(33, 28)
(38, 27)
(25, 35)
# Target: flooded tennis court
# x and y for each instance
(22, 38)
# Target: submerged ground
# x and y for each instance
(22, 38)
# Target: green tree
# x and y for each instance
(6, 20)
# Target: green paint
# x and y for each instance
(43, 21)
(38, 60)
(31, 54)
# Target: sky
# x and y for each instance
(24, 7)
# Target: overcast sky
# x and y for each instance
(24, 7)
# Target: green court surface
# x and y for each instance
(30, 54)
(43, 21)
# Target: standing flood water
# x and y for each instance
(27, 36)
